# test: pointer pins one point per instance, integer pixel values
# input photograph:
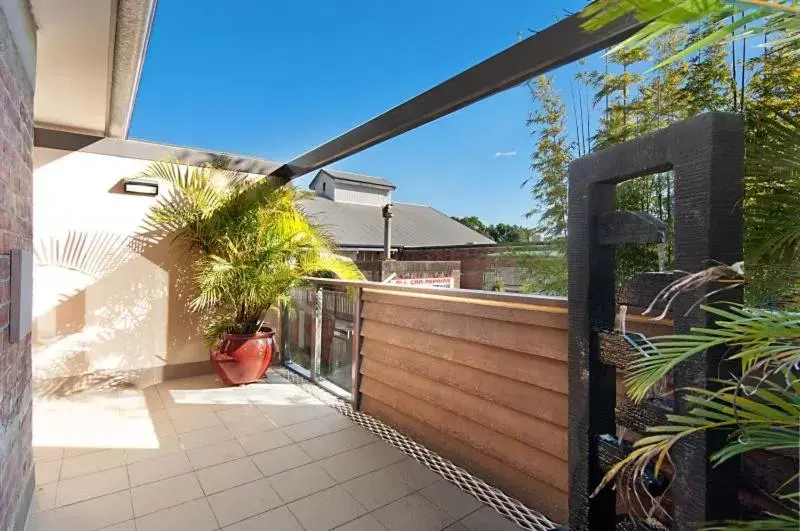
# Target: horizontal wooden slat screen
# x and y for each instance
(481, 381)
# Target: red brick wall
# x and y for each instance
(473, 259)
(16, 151)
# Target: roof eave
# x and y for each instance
(134, 25)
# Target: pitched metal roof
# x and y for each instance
(353, 178)
(357, 225)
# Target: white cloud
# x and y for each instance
(505, 153)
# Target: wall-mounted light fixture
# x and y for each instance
(140, 187)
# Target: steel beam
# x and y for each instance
(562, 43)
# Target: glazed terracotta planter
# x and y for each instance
(243, 358)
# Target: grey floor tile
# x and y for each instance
(240, 503)
(300, 482)
(360, 461)
(487, 519)
(413, 513)
(365, 523)
(280, 519)
(451, 499)
(275, 461)
(326, 510)
(377, 489)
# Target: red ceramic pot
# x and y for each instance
(243, 358)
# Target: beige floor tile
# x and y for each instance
(47, 472)
(188, 410)
(227, 475)
(164, 445)
(195, 422)
(458, 526)
(74, 451)
(300, 482)
(158, 468)
(413, 473)
(281, 459)
(326, 510)
(155, 415)
(412, 513)
(215, 454)
(165, 493)
(163, 428)
(248, 426)
(267, 440)
(319, 426)
(85, 516)
(487, 519)
(122, 526)
(280, 519)
(43, 454)
(365, 523)
(451, 499)
(242, 502)
(205, 437)
(91, 486)
(44, 497)
(195, 515)
(338, 442)
(289, 414)
(239, 412)
(95, 462)
(377, 489)
(360, 461)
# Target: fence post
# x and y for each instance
(316, 358)
(356, 363)
(707, 155)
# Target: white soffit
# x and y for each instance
(73, 63)
(89, 56)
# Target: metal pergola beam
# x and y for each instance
(562, 43)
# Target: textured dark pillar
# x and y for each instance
(707, 154)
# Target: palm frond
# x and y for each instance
(252, 241)
(779, 19)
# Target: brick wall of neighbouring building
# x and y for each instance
(16, 148)
(474, 260)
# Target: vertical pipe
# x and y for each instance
(387, 232)
(317, 356)
(356, 364)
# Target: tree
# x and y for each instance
(251, 243)
(550, 159)
(707, 85)
(504, 233)
(474, 223)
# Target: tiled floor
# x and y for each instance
(195, 455)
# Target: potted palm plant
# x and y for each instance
(249, 244)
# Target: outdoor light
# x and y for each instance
(140, 187)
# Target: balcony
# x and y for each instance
(196, 455)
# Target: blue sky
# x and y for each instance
(275, 79)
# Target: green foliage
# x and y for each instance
(759, 411)
(251, 242)
(500, 233)
(550, 159)
(776, 18)
(473, 222)
(546, 276)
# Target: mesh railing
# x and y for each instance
(491, 496)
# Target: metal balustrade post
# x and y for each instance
(316, 358)
(356, 361)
